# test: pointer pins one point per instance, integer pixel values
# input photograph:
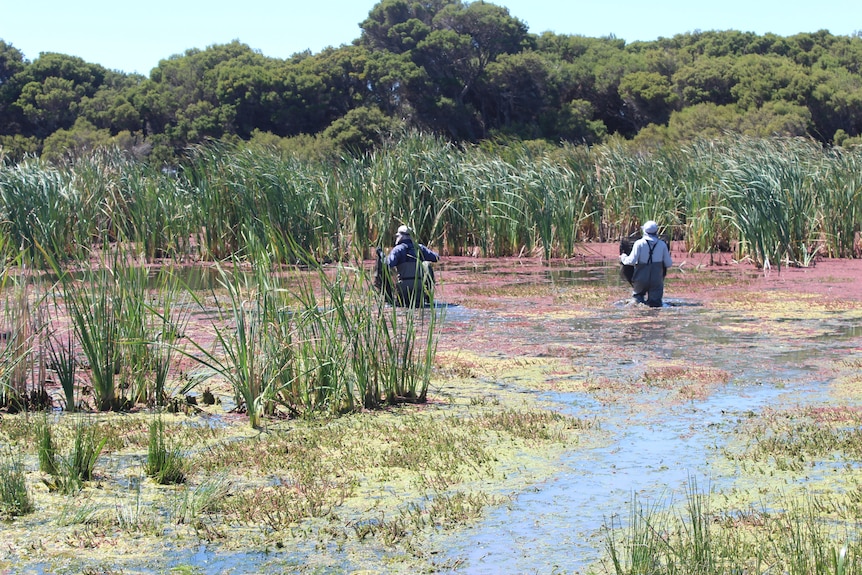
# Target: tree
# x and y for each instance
(395, 83)
(648, 96)
(706, 80)
(576, 122)
(111, 109)
(361, 129)
(836, 103)
(83, 137)
(517, 92)
(46, 94)
(464, 41)
(705, 120)
(776, 119)
(760, 79)
(398, 26)
(50, 105)
(11, 61)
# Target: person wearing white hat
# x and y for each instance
(415, 277)
(651, 258)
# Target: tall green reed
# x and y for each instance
(93, 299)
(168, 316)
(838, 193)
(15, 497)
(165, 461)
(63, 362)
(156, 210)
(252, 330)
(777, 200)
(773, 209)
(39, 208)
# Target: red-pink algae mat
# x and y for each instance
(831, 278)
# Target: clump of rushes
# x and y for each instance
(95, 308)
(15, 498)
(208, 496)
(78, 466)
(794, 536)
(165, 464)
(62, 361)
(45, 445)
(252, 333)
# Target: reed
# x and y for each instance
(23, 334)
(839, 195)
(155, 209)
(209, 495)
(642, 545)
(46, 450)
(62, 361)
(794, 538)
(39, 204)
(87, 446)
(778, 201)
(252, 330)
(94, 305)
(15, 498)
(72, 470)
(168, 316)
(165, 463)
(767, 195)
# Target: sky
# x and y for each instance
(134, 36)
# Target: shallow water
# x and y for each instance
(655, 448)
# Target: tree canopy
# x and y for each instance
(467, 71)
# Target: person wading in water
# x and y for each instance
(415, 279)
(650, 257)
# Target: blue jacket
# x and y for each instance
(403, 258)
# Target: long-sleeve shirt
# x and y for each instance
(641, 252)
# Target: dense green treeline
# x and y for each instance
(778, 201)
(464, 71)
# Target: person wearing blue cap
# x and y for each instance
(650, 257)
(415, 278)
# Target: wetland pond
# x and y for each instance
(666, 390)
(740, 351)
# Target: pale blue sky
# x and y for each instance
(134, 36)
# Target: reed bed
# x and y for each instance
(795, 537)
(777, 201)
